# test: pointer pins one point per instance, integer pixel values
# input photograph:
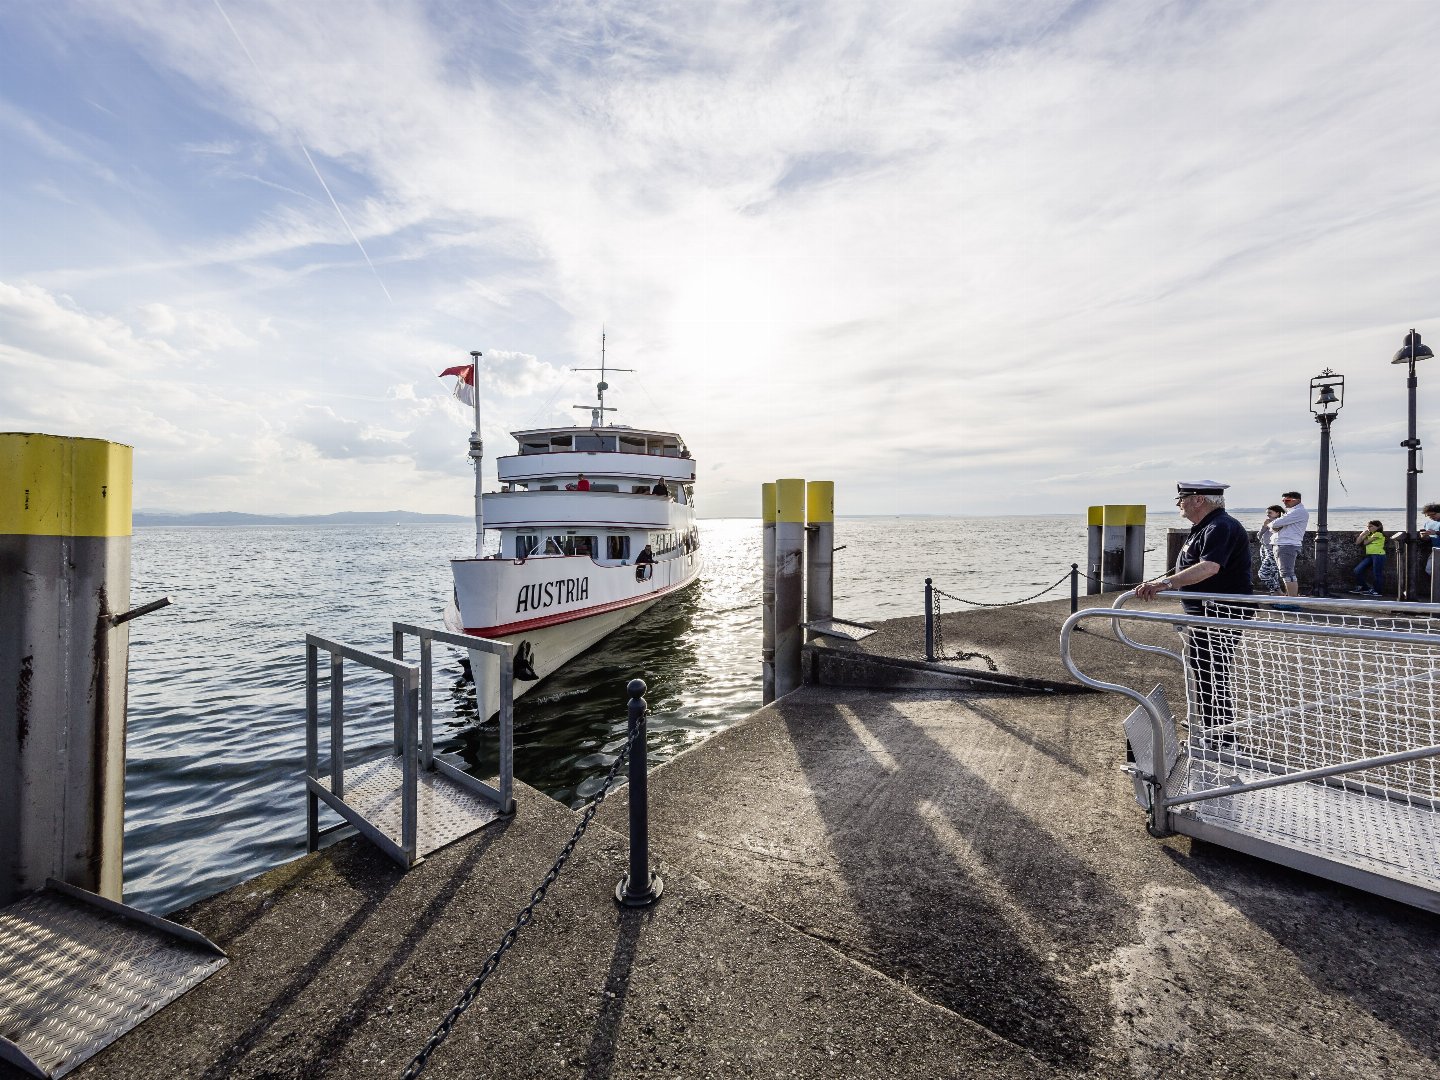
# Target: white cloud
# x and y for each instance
(969, 257)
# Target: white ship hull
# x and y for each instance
(552, 608)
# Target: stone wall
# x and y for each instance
(1344, 554)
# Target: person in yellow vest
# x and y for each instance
(1372, 542)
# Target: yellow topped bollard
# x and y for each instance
(65, 525)
(767, 594)
(819, 552)
(789, 582)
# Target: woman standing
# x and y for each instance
(1372, 542)
(1269, 571)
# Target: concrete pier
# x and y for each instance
(859, 883)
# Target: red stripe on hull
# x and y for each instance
(569, 616)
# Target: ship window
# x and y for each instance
(583, 545)
(630, 444)
(640, 489)
(617, 547)
(549, 487)
(560, 442)
(535, 447)
(593, 443)
(604, 487)
(526, 544)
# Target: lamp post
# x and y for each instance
(1411, 351)
(1325, 404)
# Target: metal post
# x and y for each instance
(641, 887)
(767, 594)
(65, 528)
(477, 454)
(819, 552)
(1096, 518)
(1322, 532)
(409, 766)
(312, 744)
(507, 726)
(1412, 473)
(1134, 570)
(1112, 557)
(337, 725)
(929, 621)
(1074, 587)
(789, 582)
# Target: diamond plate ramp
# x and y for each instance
(77, 971)
(445, 809)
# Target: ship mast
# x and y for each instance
(597, 414)
(477, 451)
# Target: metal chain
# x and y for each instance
(1009, 603)
(467, 999)
(938, 634)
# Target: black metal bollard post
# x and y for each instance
(640, 887)
(1074, 587)
(929, 622)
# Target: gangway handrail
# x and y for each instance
(407, 691)
(504, 794)
(1117, 615)
(1265, 600)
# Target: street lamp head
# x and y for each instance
(1327, 394)
(1412, 350)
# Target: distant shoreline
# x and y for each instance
(149, 519)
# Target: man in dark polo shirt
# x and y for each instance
(1215, 558)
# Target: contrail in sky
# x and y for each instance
(306, 151)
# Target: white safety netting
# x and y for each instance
(1270, 698)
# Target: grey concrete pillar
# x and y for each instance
(64, 573)
(767, 594)
(1093, 566)
(789, 582)
(819, 551)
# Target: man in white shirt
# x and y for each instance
(1288, 531)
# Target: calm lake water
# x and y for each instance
(216, 740)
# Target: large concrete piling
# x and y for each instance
(767, 594)
(819, 551)
(65, 523)
(789, 582)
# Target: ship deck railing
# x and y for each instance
(1316, 747)
(410, 799)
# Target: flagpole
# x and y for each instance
(477, 450)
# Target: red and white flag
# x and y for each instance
(464, 382)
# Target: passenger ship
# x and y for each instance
(577, 509)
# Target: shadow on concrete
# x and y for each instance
(599, 1060)
(971, 901)
(373, 875)
(1387, 965)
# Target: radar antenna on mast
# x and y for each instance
(597, 413)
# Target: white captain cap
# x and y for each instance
(1199, 487)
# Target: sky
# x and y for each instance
(1020, 256)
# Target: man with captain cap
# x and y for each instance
(1215, 558)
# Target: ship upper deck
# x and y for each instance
(555, 455)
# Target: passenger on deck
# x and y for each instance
(646, 555)
(582, 484)
(660, 488)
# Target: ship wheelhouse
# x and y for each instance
(601, 493)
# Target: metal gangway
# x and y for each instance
(409, 800)
(1311, 733)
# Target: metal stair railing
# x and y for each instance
(1389, 822)
(438, 800)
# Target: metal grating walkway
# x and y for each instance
(75, 976)
(1377, 839)
(445, 810)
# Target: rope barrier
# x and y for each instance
(467, 998)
